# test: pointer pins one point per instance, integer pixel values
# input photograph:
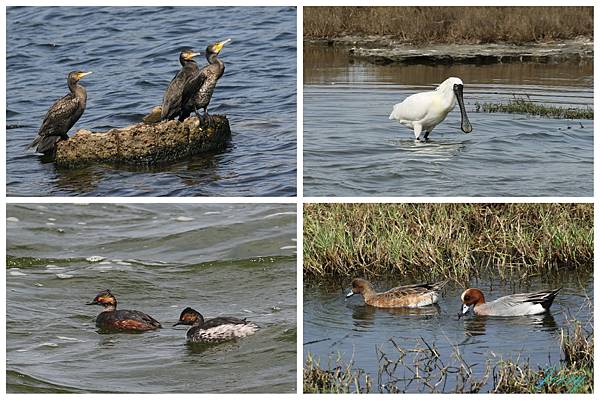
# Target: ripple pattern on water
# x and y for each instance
(228, 260)
(351, 148)
(334, 325)
(133, 53)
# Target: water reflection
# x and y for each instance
(346, 109)
(332, 64)
(364, 315)
(476, 325)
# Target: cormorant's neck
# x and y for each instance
(213, 59)
(72, 85)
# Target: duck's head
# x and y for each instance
(359, 286)
(471, 297)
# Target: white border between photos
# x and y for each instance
(299, 200)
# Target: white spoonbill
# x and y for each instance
(423, 111)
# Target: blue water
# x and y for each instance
(133, 53)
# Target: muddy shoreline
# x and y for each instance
(385, 50)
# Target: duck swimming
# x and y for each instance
(532, 303)
(126, 320)
(214, 330)
(408, 296)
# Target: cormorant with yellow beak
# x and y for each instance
(63, 114)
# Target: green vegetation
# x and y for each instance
(424, 368)
(455, 241)
(420, 25)
(529, 107)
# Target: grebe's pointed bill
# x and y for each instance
(349, 294)
(465, 124)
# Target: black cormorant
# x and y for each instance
(171, 105)
(198, 91)
(63, 114)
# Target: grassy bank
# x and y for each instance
(425, 368)
(527, 107)
(419, 25)
(455, 241)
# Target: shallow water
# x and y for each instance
(133, 53)
(334, 324)
(228, 260)
(351, 148)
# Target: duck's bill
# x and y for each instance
(348, 295)
(465, 124)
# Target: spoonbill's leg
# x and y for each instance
(417, 128)
(426, 136)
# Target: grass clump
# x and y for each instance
(536, 109)
(420, 25)
(342, 379)
(455, 241)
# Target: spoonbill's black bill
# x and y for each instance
(465, 124)
(421, 112)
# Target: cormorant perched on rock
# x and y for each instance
(63, 114)
(198, 91)
(171, 105)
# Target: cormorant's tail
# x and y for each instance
(44, 144)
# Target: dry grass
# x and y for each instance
(455, 241)
(341, 379)
(420, 25)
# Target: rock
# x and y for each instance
(144, 144)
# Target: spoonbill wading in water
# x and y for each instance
(423, 111)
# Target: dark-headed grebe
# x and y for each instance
(216, 329)
(113, 319)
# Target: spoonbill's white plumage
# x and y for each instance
(423, 111)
